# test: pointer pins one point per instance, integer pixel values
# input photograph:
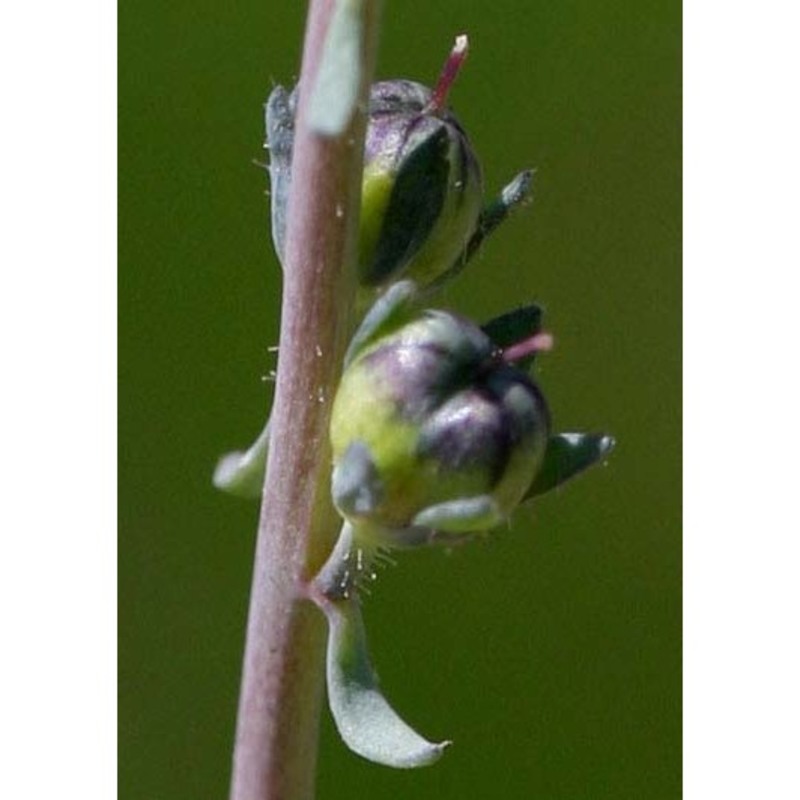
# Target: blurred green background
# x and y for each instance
(550, 654)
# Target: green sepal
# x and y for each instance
(356, 486)
(512, 195)
(567, 455)
(463, 516)
(414, 207)
(513, 327)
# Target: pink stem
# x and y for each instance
(284, 662)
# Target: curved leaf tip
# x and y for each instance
(365, 720)
(241, 473)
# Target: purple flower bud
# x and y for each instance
(422, 185)
(433, 426)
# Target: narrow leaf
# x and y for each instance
(280, 142)
(365, 720)
(335, 93)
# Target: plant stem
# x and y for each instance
(284, 661)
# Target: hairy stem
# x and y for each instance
(284, 661)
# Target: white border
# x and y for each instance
(741, 401)
(58, 418)
(58, 356)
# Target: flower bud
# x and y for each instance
(432, 427)
(421, 189)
